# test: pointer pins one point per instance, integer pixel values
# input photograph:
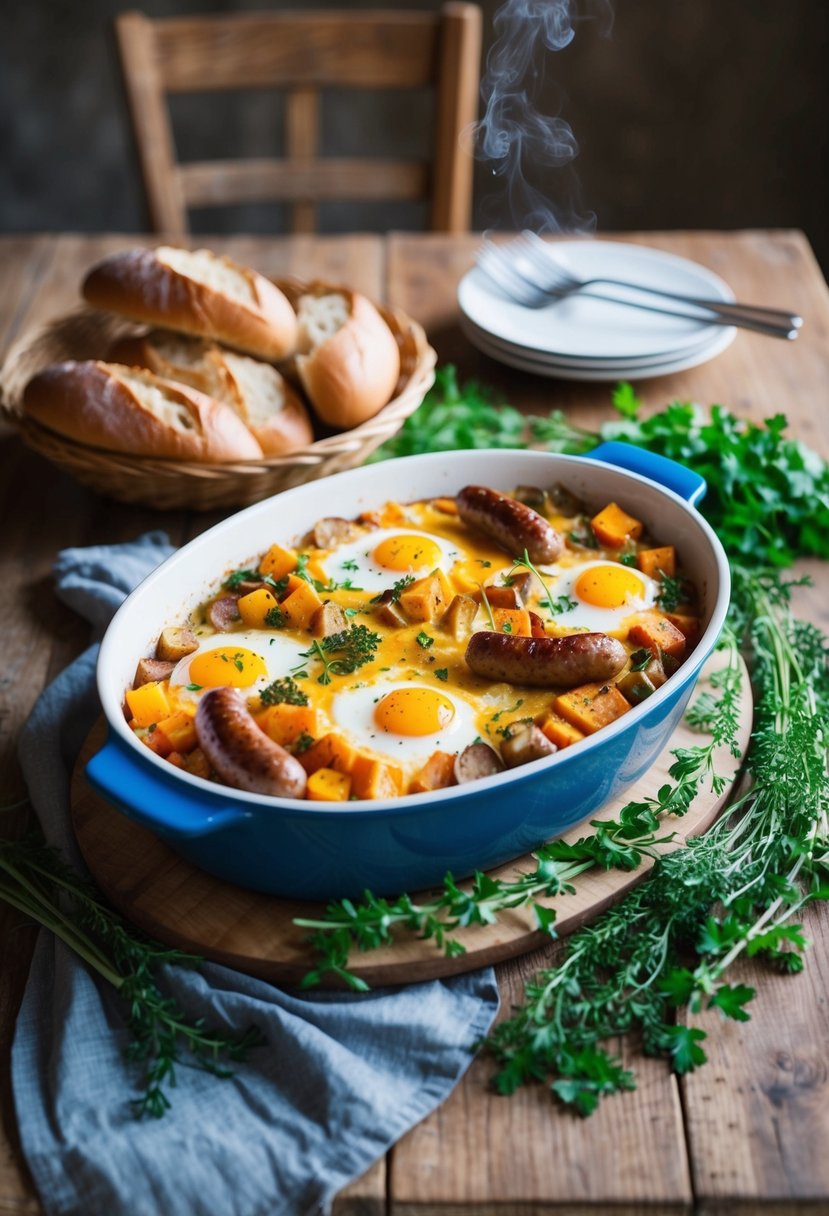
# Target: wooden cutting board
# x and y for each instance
(187, 908)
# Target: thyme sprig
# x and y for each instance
(35, 880)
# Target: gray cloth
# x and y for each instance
(342, 1077)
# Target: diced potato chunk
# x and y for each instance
(426, 599)
(327, 620)
(459, 616)
(591, 707)
(613, 526)
(278, 561)
(254, 608)
(327, 785)
(300, 606)
(654, 562)
(152, 670)
(689, 626)
(148, 704)
(525, 744)
(175, 644)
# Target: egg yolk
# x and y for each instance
(413, 711)
(608, 586)
(407, 553)
(227, 667)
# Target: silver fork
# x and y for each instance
(526, 270)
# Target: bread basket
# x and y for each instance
(87, 334)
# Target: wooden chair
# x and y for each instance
(302, 53)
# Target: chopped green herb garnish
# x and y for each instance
(423, 639)
(275, 617)
(283, 692)
(442, 673)
(352, 647)
(671, 592)
(194, 687)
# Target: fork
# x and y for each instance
(516, 269)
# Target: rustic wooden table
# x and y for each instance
(747, 1133)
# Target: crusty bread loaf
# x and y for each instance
(348, 359)
(256, 391)
(126, 409)
(199, 293)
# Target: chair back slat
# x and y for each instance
(212, 183)
(381, 49)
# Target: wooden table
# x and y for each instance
(747, 1133)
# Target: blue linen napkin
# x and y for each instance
(341, 1078)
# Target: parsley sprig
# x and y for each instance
(352, 648)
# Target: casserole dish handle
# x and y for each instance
(154, 802)
(668, 473)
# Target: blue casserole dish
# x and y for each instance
(323, 850)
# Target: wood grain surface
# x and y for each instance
(187, 908)
(745, 1134)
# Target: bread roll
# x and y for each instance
(198, 293)
(125, 409)
(348, 359)
(256, 391)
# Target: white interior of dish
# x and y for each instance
(187, 578)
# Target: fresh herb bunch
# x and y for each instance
(735, 891)
(284, 691)
(35, 880)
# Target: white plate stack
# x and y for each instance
(587, 338)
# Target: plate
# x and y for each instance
(609, 372)
(586, 328)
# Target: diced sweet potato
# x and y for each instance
(372, 778)
(498, 596)
(689, 626)
(300, 606)
(512, 620)
(331, 751)
(657, 633)
(148, 704)
(561, 733)
(613, 526)
(152, 670)
(180, 731)
(591, 707)
(157, 742)
(436, 774)
(447, 506)
(278, 561)
(327, 785)
(654, 562)
(537, 626)
(174, 644)
(426, 599)
(285, 723)
(254, 608)
(459, 617)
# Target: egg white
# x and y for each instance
(353, 712)
(279, 654)
(591, 616)
(354, 560)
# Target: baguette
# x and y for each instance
(348, 360)
(125, 409)
(198, 293)
(256, 391)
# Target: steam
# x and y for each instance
(521, 143)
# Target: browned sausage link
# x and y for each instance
(579, 658)
(240, 752)
(509, 523)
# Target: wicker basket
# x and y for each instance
(87, 334)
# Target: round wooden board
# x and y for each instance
(187, 908)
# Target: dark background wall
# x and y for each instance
(698, 113)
